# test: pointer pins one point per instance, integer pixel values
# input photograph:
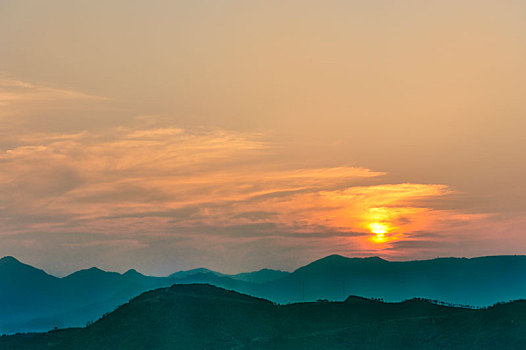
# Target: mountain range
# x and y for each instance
(200, 316)
(32, 300)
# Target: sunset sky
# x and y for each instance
(236, 135)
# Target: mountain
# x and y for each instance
(477, 281)
(261, 276)
(24, 291)
(11, 268)
(207, 317)
(189, 273)
(32, 300)
(219, 280)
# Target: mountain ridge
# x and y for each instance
(201, 316)
(44, 301)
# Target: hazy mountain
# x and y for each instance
(477, 281)
(219, 280)
(261, 276)
(207, 317)
(31, 300)
(24, 291)
(193, 272)
(34, 301)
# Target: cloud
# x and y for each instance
(146, 180)
(16, 91)
(169, 180)
(22, 99)
(415, 244)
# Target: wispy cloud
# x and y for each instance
(143, 181)
(169, 179)
(19, 95)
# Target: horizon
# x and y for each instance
(122, 272)
(241, 135)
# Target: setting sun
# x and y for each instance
(378, 228)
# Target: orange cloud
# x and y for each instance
(156, 180)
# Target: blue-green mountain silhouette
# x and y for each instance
(31, 300)
(261, 276)
(479, 281)
(207, 317)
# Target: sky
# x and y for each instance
(236, 135)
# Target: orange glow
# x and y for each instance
(177, 178)
(379, 238)
(378, 228)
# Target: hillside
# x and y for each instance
(31, 300)
(479, 281)
(207, 317)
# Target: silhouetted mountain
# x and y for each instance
(13, 273)
(189, 273)
(477, 281)
(24, 292)
(207, 317)
(31, 300)
(219, 280)
(261, 276)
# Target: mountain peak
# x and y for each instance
(260, 276)
(338, 258)
(340, 264)
(192, 272)
(374, 258)
(92, 272)
(13, 268)
(12, 262)
(9, 263)
(9, 260)
(132, 272)
(334, 257)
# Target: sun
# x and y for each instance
(379, 230)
